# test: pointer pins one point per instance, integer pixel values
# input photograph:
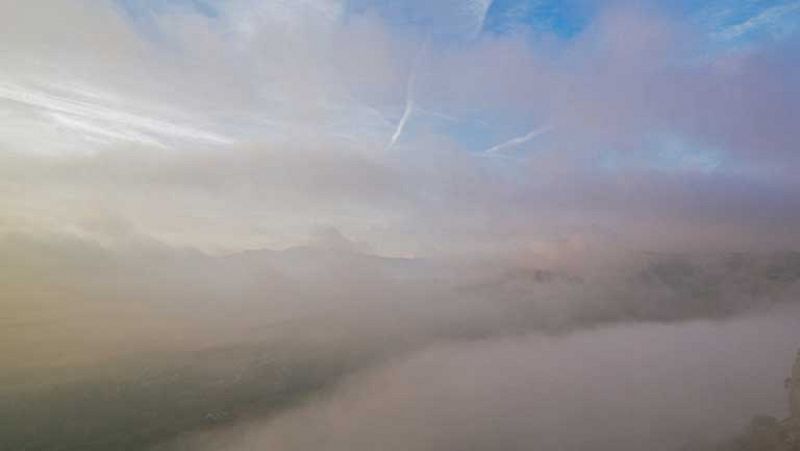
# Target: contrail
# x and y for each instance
(409, 108)
(481, 8)
(438, 114)
(519, 140)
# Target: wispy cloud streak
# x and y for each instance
(766, 18)
(410, 87)
(104, 121)
(481, 9)
(519, 140)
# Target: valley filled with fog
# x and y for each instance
(439, 225)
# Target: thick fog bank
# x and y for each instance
(327, 345)
(632, 387)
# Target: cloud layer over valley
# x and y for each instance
(412, 225)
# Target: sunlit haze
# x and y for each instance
(358, 225)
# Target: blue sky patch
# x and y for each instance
(563, 18)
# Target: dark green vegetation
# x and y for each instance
(138, 405)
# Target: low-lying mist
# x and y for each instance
(351, 225)
(332, 348)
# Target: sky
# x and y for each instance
(362, 193)
(415, 127)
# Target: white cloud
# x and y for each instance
(768, 18)
(93, 117)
